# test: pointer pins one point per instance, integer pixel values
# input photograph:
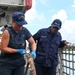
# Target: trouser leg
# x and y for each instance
(5, 70)
(18, 71)
(51, 70)
(41, 70)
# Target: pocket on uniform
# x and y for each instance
(51, 59)
(40, 57)
(43, 42)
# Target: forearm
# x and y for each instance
(8, 50)
(33, 46)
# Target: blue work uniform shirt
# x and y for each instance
(47, 47)
(17, 41)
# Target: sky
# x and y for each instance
(43, 12)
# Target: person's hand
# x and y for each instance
(66, 43)
(33, 53)
(21, 51)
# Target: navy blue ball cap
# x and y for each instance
(57, 23)
(19, 18)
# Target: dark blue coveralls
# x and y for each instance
(47, 51)
(13, 63)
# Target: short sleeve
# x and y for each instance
(28, 34)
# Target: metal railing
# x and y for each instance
(66, 64)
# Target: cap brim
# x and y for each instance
(21, 22)
(55, 26)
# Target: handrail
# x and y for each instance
(66, 60)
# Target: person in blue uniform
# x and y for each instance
(13, 46)
(48, 41)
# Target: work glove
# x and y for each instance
(33, 53)
(21, 51)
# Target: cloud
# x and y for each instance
(68, 30)
(68, 27)
(33, 14)
(62, 15)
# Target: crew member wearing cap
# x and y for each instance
(48, 42)
(13, 45)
